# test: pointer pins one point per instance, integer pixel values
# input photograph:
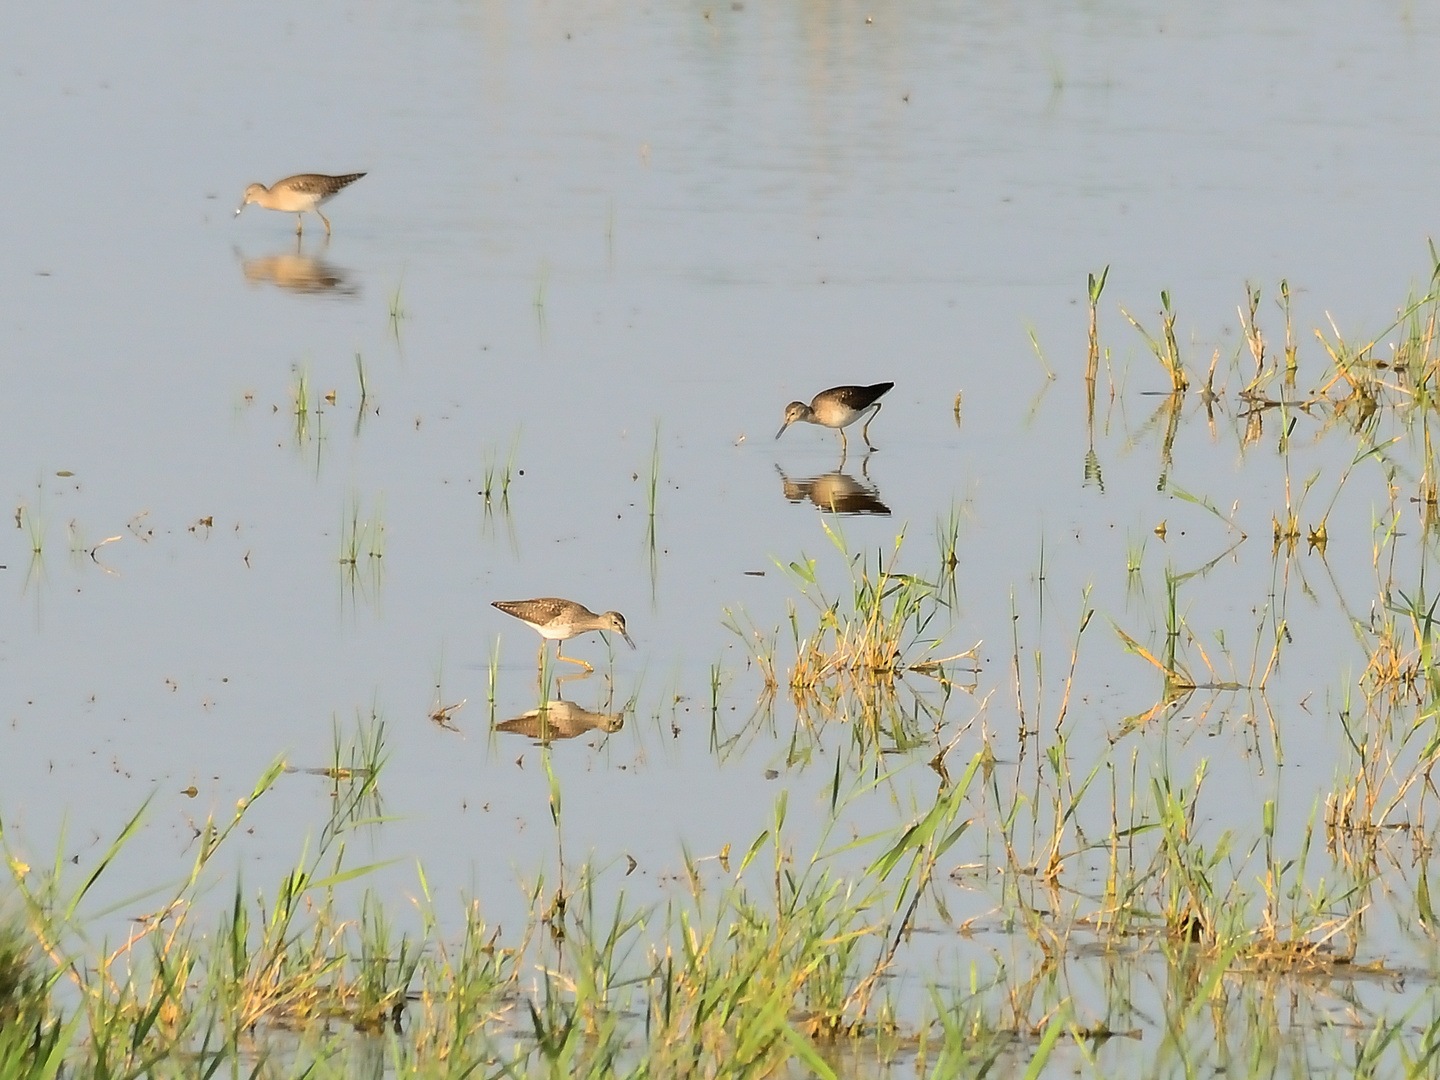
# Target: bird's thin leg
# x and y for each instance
(843, 445)
(865, 430)
(324, 219)
(299, 223)
(571, 659)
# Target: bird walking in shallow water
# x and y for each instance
(299, 193)
(559, 620)
(838, 408)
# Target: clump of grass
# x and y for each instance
(300, 404)
(1093, 288)
(496, 478)
(397, 308)
(360, 377)
(34, 1043)
(862, 643)
(874, 636)
(652, 485)
(1135, 555)
(300, 392)
(1166, 349)
(171, 992)
(32, 519)
(652, 496)
(34, 529)
(24, 987)
(760, 646)
(1292, 362)
(362, 538)
(493, 669)
(790, 957)
(947, 538)
(1039, 355)
(717, 684)
(1250, 329)
(542, 287)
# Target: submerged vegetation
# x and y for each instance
(1001, 868)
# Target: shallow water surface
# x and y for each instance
(596, 251)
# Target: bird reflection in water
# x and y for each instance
(560, 719)
(296, 271)
(835, 493)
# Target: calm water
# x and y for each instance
(622, 238)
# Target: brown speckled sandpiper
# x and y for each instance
(299, 193)
(559, 620)
(838, 408)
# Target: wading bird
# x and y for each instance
(838, 408)
(559, 620)
(297, 194)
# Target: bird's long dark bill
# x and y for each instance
(782, 429)
(628, 641)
